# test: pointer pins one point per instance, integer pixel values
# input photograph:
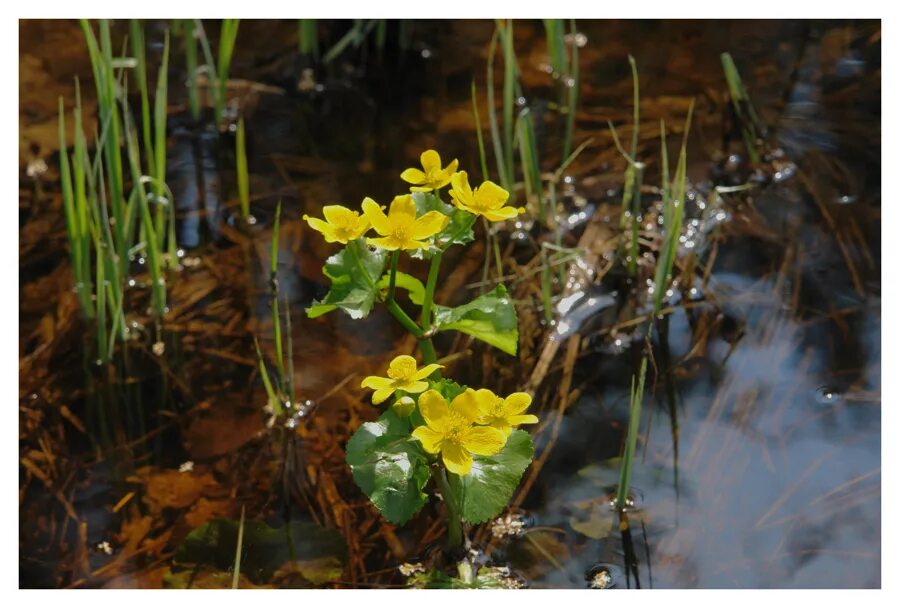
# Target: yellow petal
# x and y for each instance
(485, 400)
(413, 176)
(434, 410)
(321, 226)
(376, 216)
(491, 196)
(431, 439)
(456, 458)
(411, 244)
(382, 394)
(375, 382)
(466, 405)
(362, 227)
(516, 403)
(451, 168)
(484, 440)
(421, 188)
(427, 371)
(522, 419)
(402, 367)
(429, 224)
(416, 387)
(501, 426)
(401, 205)
(388, 243)
(431, 160)
(501, 214)
(338, 215)
(460, 184)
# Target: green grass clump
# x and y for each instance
(104, 216)
(673, 213)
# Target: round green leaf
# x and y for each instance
(487, 489)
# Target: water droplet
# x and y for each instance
(827, 395)
(845, 199)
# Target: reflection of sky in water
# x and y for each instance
(779, 481)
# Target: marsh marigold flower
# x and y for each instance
(400, 228)
(403, 374)
(433, 177)
(503, 414)
(450, 430)
(341, 225)
(487, 200)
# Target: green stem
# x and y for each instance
(395, 259)
(430, 284)
(454, 521)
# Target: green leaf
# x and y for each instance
(488, 487)
(389, 466)
(447, 388)
(408, 282)
(458, 230)
(353, 287)
(299, 547)
(490, 317)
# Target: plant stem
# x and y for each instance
(425, 344)
(430, 284)
(454, 522)
(395, 259)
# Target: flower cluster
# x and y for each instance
(474, 422)
(401, 228)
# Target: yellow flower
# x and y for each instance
(400, 229)
(402, 375)
(451, 432)
(433, 177)
(503, 414)
(340, 225)
(486, 200)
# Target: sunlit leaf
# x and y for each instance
(488, 487)
(404, 281)
(353, 284)
(490, 317)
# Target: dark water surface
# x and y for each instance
(759, 456)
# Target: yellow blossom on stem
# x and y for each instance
(400, 228)
(487, 200)
(340, 225)
(403, 375)
(503, 414)
(450, 430)
(433, 177)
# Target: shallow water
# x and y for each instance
(759, 455)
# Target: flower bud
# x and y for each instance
(404, 406)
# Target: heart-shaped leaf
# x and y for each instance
(354, 273)
(389, 466)
(485, 491)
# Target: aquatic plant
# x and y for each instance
(464, 439)
(102, 219)
(634, 420)
(749, 122)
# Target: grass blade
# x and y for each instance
(243, 178)
(634, 420)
